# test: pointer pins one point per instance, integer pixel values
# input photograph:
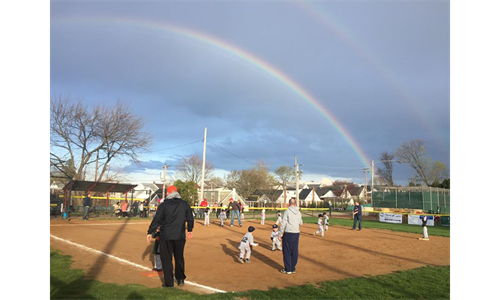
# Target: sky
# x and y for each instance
(334, 83)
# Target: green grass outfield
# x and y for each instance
(432, 230)
(422, 283)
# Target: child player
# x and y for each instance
(320, 226)
(222, 217)
(424, 227)
(207, 216)
(325, 220)
(278, 222)
(275, 238)
(262, 217)
(246, 245)
(156, 250)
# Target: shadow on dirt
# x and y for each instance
(80, 286)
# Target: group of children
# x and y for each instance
(222, 217)
(322, 224)
(247, 243)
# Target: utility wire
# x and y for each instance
(232, 153)
(177, 146)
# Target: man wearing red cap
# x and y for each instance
(172, 216)
(235, 209)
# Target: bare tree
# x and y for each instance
(248, 181)
(190, 168)
(285, 175)
(415, 154)
(85, 139)
(385, 174)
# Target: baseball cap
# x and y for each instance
(251, 228)
(171, 189)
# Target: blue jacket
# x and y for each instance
(359, 210)
(87, 201)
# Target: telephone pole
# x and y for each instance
(164, 180)
(203, 166)
(366, 188)
(297, 198)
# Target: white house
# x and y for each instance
(308, 196)
(144, 190)
(222, 196)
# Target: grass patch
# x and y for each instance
(422, 283)
(432, 230)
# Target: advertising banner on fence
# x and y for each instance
(391, 218)
(417, 220)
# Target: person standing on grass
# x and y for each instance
(172, 216)
(290, 233)
(358, 210)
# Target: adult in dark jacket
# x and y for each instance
(172, 216)
(235, 209)
(87, 203)
(358, 211)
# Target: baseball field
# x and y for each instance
(115, 251)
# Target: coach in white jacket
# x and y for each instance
(292, 220)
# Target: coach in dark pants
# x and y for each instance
(172, 216)
(358, 211)
(290, 232)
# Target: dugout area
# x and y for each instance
(211, 256)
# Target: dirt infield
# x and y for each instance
(211, 256)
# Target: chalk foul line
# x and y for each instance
(129, 262)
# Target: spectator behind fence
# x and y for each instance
(87, 203)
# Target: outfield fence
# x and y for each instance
(429, 199)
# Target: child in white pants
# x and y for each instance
(280, 220)
(207, 217)
(424, 228)
(222, 217)
(246, 245)
(320, 226)
(325, 220)
(275, 238)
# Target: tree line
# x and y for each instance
(414, 153)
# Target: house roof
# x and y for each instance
(322, 191)
(103, 187)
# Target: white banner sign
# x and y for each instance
(391, 218)
(417, 220)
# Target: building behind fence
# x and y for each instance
(428, 199)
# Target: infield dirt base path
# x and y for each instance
(212, 254)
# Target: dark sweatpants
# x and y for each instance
(167, 248)
(356, 218)
(290, 250)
